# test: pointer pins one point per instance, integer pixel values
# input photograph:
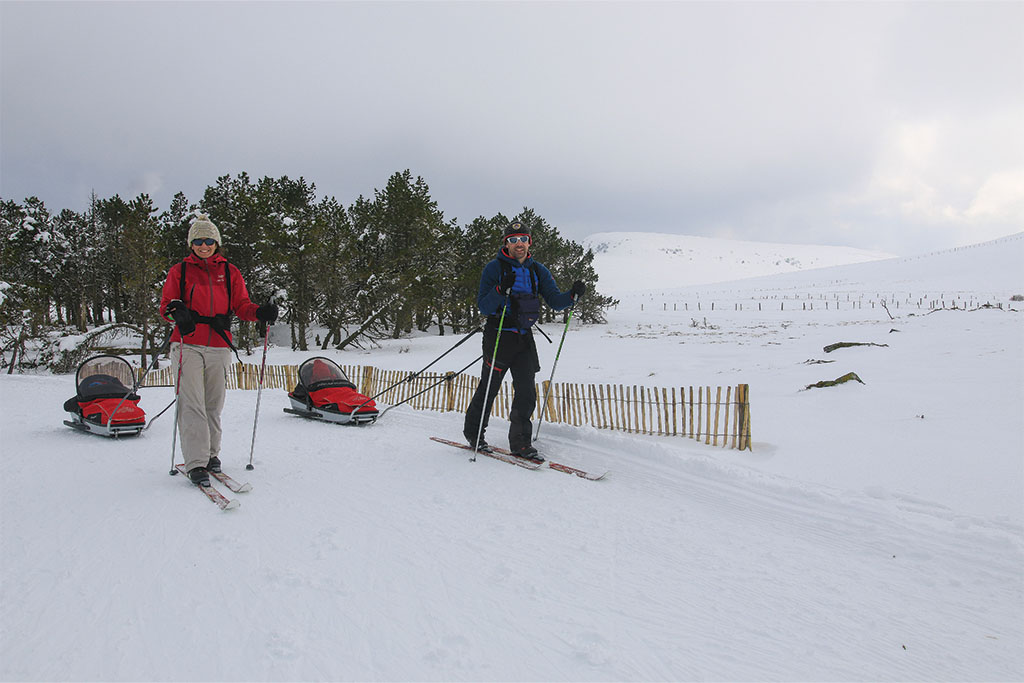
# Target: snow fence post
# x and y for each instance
(743, 416)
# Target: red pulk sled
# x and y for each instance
(324, 392)
(104, 404)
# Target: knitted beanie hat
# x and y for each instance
(517, 228)
(203, 227)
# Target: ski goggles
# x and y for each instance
(209, 241)
(515, 239)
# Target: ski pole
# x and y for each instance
(177, 407)
(414, 375)
(259, 393)
(547, 390)
(490, 376)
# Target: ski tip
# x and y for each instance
(559, 467)
(231, 504)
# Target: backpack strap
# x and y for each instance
(227, 282)
(506, 268)
(221, 322)
(517, 301)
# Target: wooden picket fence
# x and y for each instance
(701, 414)
(715, 415)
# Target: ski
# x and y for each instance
(579, 473)
(215, 496)
(507, 456)
(231, 483)
(497, 454)
(334, 417)
(557, 466)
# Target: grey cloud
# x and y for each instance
(804, 122)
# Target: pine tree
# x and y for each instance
(95, 270)
(364, 258)
(31, 254)
(392, 259)
(332, 272)
(411, 224)
(15, 292)
(144, 271)
(113, 215)
(73, 267)
(291, 238)
(172, 228)
(481, 241)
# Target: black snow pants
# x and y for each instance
(517, 353)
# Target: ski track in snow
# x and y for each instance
(856, 542)
(373, 553)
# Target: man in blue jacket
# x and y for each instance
(513, 282)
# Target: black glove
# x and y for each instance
(173, 306)
(508, 280)
(182, 317)
(578, 289)
(267, 313)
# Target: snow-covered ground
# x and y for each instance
(874, 532)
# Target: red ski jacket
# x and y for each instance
(206, 293)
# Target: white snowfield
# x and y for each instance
(676, 260)
(874, 532)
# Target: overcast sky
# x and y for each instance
(890, 126)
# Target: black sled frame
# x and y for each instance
(302, 405)
(78, 423)
(113, 385)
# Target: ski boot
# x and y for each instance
(482, 446)
(528, 452)
(199, 476)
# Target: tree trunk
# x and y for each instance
(142, 349)
(332, 333)
(14, 353)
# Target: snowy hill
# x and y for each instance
(627, 261)
(992, 268)
(874, 532)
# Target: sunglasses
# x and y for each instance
(209, 241)
(525, 239)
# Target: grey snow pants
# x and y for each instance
(200, 400)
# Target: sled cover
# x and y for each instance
(101, 382)
(323, 384)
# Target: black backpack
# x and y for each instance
(525, 308)
(221, 322)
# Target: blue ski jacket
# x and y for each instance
(490, 301)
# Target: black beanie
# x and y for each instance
(517, 228)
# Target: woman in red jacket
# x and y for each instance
(201, 294)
